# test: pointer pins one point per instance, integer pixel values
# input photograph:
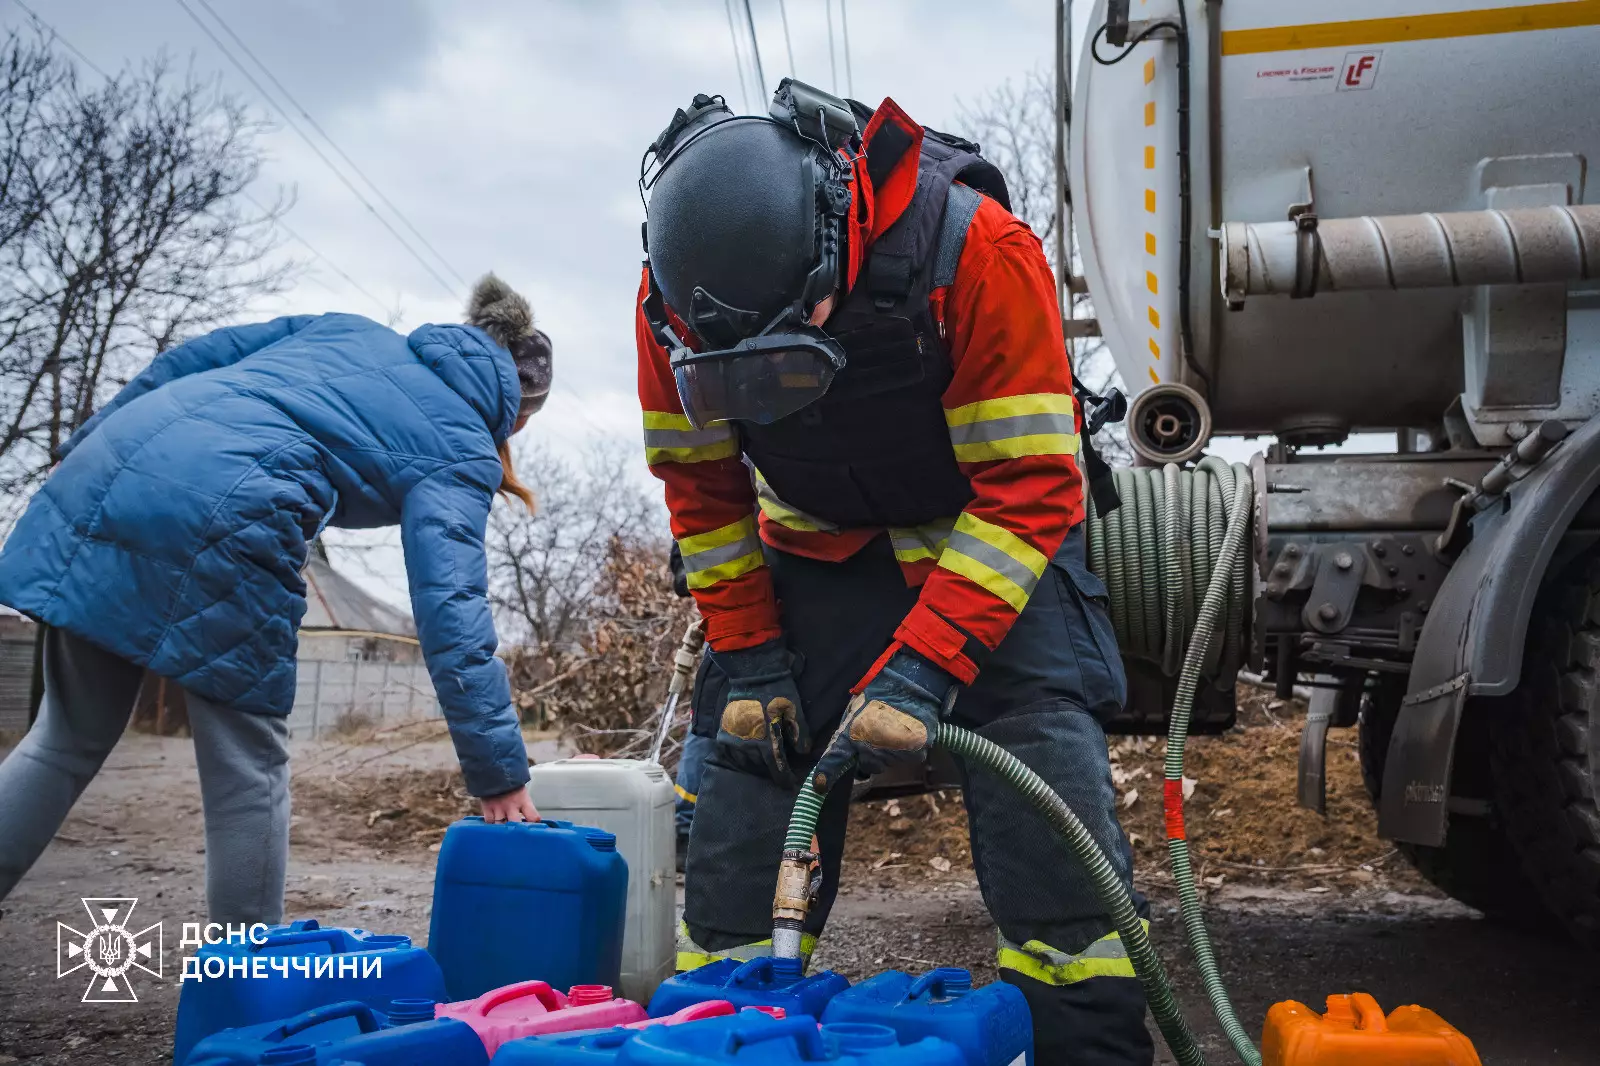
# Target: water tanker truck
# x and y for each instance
(1303, 224)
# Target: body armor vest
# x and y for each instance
(875, 450)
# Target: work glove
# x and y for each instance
(762, 723)
(893, 718)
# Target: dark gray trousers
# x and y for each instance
(1039, 696)
(243, 761)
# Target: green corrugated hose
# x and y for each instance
(1153, 553)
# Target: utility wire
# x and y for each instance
(755, 46)
(68, 45)
(738, 57)
(287, 95)
(833, 65)
(788, 45)
(329, 263)
(849, 75)
(320, 154)
(278, 222)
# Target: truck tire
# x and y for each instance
(1476, 865)
(1546, 753)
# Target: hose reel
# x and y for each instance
(1156, 554)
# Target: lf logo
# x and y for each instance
(109, 949)
(1360, 71)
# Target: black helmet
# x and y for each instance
(744, 231)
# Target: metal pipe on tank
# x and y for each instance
(1520, 246)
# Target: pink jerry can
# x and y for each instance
(694, 1012)
(533, 1008)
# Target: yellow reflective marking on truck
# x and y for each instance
(1151, 283)
(1150, 200)
(1479, 23)
(1149, 157)
(1155, 318)
(1150, 113)
(1149, 70)
(1153, 376)
(1155, 349)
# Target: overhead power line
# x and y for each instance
(317, 151)
(287, 95)
(738, 57)
(849, 75)
(278, 222)
(45, 27)
(833, 65)
(788, 45)
(755, 46)
(329, 263)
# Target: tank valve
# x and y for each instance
(1169, 423)
(799, 878)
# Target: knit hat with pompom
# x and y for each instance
(507, 318)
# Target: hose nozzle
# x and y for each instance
(791, 902)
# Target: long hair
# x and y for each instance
(509, 485)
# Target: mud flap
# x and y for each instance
(1472, 642)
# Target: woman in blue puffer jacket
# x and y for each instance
(172, 537)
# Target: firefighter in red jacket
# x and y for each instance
(856, 392)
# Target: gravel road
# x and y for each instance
(1525, 1001)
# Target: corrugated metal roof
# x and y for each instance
(333, 601)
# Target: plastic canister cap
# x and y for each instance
(600, 840)
(853, 1037)
(407, 1011)
(583, 995)
(956, 981)
(289, 1055)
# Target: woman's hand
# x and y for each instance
(513, 806)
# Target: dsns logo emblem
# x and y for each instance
(109, 949)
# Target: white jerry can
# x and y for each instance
(633, 799)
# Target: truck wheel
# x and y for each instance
(1546, 753)
(1476, 864)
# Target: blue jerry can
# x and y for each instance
(762, 982)
(524, 901)
(349, 1032)
(991, 1025)
(340, 964)
(761, 1041)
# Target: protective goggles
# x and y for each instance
(757, 379)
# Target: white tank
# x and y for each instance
(1363, 108)
(634, 800)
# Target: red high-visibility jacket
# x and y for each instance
(1001, 322)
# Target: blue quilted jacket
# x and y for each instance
(175, 529)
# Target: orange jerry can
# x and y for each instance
(1355, 1032)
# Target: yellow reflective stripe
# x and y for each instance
(994, 558)
(1033, 403)
(1009, 427)
(743, 529)
(685, 794)
(915, 544)
(670, 438)
(692, 956)
(721, 554)
(1106, 957)
(1016, 447)
(788, 517)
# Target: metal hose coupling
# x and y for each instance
(799, 878)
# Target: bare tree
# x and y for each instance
(544, 569)
(1016, 125)
(123, 230)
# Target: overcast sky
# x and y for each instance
(509, 133)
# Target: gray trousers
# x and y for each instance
(243, 761)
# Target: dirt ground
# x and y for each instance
(1299, 907)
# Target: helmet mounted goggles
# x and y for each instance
(754, 366)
